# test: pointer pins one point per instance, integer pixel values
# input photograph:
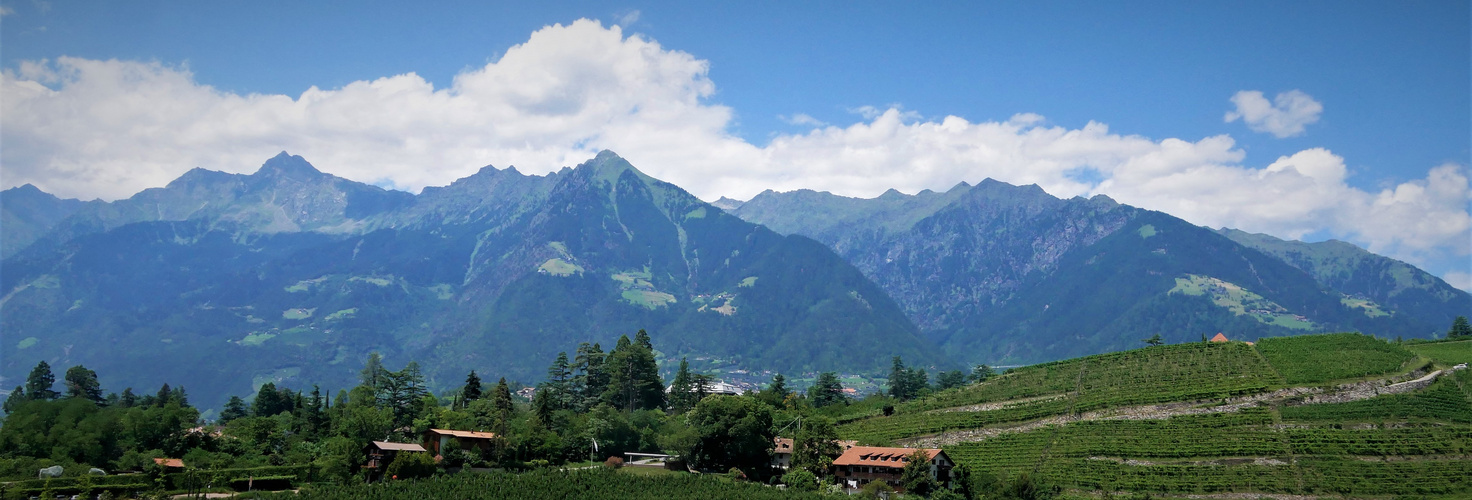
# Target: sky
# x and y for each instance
(1304, 120)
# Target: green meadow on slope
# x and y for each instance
(1308, 415)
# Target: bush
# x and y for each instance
(676, 464)
(410, 465)
(800, 480)
(735, 473)
(613, 463)
(877, 489)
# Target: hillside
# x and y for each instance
(1205, 418)
(27, 213)
(1004, 274)
(294, 276)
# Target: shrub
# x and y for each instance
(800, 480)
(676, 464)
(877, 489)
(410, 465)
(613, 463)
(735, 473)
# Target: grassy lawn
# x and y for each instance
(648, 471)
(1449, 353)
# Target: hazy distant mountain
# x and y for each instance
(1005, 274)
(1365, 278)
(218, 280)
(28, 213)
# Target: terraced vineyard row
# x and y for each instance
(1436, 440)
(1440, 401)
(1312, 359)
(1165, 373)
(1183, 372)
(1230, 452)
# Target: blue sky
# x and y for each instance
(1392, 79)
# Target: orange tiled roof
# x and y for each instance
(784, 445)
(170, 462)
(465, 434)
(881, 456)
(1219, 338)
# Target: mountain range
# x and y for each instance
(292, 275)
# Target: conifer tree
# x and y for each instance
(559, 382)
(38, 384)
(1460, 328)
(17, 397)
(164, 395)
(471, 391)
(826, 390)
(235, 408)
(682, 394)
(82, 383)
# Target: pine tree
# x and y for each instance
(17, 397)
(471, 391)
(778, 387)
(38, 384)
(82, 383)
(590, 379)
(682, 395)
(177, 395)
(1460, 328)
(826, 390)
(165, 394)
(633, 376)
(128, 399)
(559, 382)
(981, 373)
(1154, 341)
(235, 408)
(374, 376)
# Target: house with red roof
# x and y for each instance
(1220, 338)
(861, 465)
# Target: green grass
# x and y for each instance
(648, 298)
(256, 338)
(343, 314)
(1372, 309)
(1240, 301)
(590, 484)
(1311, 359)
(747, 282)
(1147, 231)
(374, 280)
(1450, 353)
(298, 313)
(559, 267)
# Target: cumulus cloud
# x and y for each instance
(802, 119)
(1285, 116)
(87, 128)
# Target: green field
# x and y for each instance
(590, 484)
(1312, 359)
(1413, 443)
(1450, 353)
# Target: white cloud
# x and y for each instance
(802, 119)
(627, 19)
(87, 128)
(1285, 116)
(1459, 279)
(5, 11)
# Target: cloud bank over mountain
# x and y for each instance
(92, 128)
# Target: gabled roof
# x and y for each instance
(383, 445)
(881, 456)
(170, 462)
(465, 434)
(1219, 338)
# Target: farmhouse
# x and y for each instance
(782, 451)
(861, 465)
(380, 453)
(435, 439)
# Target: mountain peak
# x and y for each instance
(608, 166)
(285, 165)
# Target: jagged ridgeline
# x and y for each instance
(1003, 274)
(291, 275)
(1329, 414)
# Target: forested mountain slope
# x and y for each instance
(292, 275)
